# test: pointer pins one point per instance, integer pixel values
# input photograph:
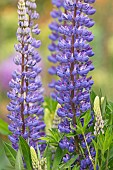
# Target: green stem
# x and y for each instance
(90, 157)
(107, 160)
(96, 160)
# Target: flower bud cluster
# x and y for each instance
(99, 124)
(38, 164)
(26, 87)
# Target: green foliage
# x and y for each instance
(50, 104)
(25, 152)
(4, 128)
(48, 156)
(69, 163)
(54, 137)
(18, 162)
(81, 129)
(57, 158)
(50, 107)
(10, 153)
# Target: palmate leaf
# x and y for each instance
(26, 152)
(10, 153)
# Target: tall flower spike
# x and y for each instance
(99, 124)
(26, 92)
(73, 55)
(74, 62)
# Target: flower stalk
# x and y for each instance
(26, 93)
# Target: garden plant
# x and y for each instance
(73, 128)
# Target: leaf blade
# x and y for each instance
(10, 153)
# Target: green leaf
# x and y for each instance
(103, 105)
(69, 163)
(26, 152)
(50, 104)
(48, 155)
(8, 168)
(4, 128)
(76, 167)
(92, 97)
(57, 159)
(19, 162)
(10, 153)
(87, 118)
(38, 151)
(108, 139)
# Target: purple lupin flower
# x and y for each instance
(73, 55)
(54, 37)
(26, 87)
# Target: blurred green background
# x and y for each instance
(102, 46)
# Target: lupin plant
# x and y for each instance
(73, 55)
(26, 87)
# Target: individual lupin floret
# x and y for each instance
(99, 124)
(26, 87)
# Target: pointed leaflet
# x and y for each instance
(57, 159)
(26, 152)
(69, 163)
(19, 162)
(48, 156)
(10, 153)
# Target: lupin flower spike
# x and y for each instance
(99, 124)
(72, 90)
(74, 52)
(26, 87)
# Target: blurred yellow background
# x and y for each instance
(102, 46)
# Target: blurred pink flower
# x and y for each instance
(6, 69)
